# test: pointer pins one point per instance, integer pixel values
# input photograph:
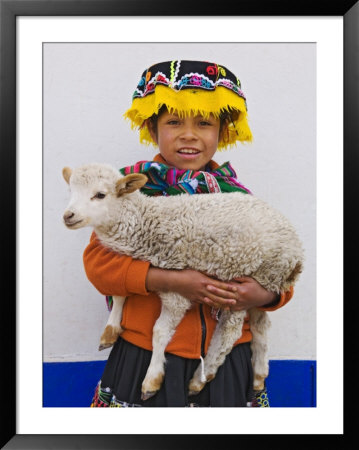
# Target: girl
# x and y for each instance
(189, 109)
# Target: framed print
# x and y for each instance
(68, 71)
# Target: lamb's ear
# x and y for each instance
(66, 173)
(130, 183)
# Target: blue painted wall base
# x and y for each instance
(291, 383)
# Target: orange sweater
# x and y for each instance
(114, 274)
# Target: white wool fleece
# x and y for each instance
(226, 235)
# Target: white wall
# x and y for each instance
(88, 87)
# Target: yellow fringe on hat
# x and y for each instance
(192, 101)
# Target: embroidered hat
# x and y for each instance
(191, 87)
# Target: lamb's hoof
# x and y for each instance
(146, 395)
(103, 346)
(190, 393)
(151, 385)
(258, 383)
(195, 387)
(109, 336)
(258, 387)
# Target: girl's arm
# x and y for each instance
(114, 274)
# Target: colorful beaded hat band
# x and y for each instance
(191, 87)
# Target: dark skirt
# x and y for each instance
(127, 365)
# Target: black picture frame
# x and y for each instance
(9, 10)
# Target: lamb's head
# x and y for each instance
(94, 189)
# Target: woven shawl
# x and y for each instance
(164, 180)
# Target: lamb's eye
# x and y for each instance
(99, 195)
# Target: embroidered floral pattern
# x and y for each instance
(175, 74)
(260, 399)
(101, 398)
(104, 398)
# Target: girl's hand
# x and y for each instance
(193, 285)
(250, 294)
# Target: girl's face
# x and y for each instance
(188, 142)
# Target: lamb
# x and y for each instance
(223, 235)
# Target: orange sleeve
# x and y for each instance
(284, 299)
(112, 273)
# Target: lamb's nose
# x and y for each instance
(68, 215)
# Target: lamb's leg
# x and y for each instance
(174, 308)
(227, 332)
(113, 327)
(259, 323)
